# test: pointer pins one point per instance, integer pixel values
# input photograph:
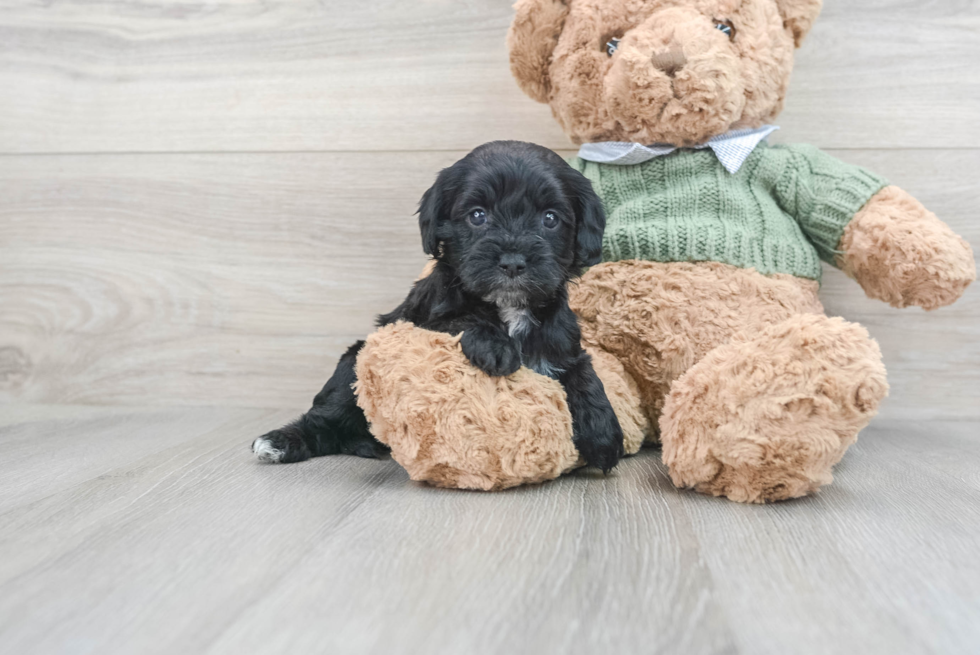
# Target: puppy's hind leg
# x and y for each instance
(282, 446)
(334, 425)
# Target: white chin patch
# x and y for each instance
(507, 297)
(518, 319)
(264, 450)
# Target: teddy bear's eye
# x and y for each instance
(611, 46)
(726, 27)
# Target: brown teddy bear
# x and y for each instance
(703, 321)
(708, 290)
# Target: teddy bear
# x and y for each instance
(707, 293)
(703, 320)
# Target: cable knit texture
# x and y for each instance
(782, 212)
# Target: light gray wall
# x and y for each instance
(206, 203)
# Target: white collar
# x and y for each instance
(731, 148)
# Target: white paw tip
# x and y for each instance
(264, 450)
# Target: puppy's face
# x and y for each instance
(514, 221)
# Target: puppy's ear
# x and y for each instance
(532, 38)
(799, 16)
(590, 219)
(435, 206)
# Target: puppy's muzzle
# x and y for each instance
(512, 264)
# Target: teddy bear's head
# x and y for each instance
(657, 71)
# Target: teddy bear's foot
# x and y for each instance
(765, 416)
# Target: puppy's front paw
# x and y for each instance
(497, 357)
(600, 442)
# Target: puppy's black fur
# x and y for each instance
(509, 225)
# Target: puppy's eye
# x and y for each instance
(726, 27)
(612, 45)
(477, 217)
(550, 220)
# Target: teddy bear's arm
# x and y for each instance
(896, 249)
(901, 253)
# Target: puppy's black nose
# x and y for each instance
(512, 264)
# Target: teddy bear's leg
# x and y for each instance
(659, 319)
(765, 416)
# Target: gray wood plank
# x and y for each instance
(884, 560)
(385, 75)
(239, 279)
(134, 547)
(16, 414)
(121, 438)
(583, 565)
(197, 548)
(187, 550)
(183, 260)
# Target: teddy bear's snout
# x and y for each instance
(670, 61)
(674, 79)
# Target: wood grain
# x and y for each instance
(239, 279)
(301, 75)
(123, 438)
(218, 202)
(891, 532)
(195, 547)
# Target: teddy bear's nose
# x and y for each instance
(670, 61)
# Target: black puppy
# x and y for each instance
(509, 225)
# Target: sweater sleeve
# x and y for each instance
(823, 194)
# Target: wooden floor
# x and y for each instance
(203, 203)
(155, 531)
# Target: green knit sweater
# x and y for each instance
(783, 211)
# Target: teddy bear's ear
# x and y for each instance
(799, 16)
(531, 40)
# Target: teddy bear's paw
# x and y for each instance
(450, 425)
(766, 416)
(901, 253)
